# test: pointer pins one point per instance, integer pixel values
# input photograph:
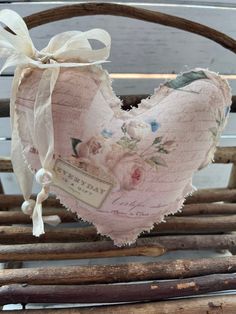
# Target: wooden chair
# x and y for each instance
(208, 221)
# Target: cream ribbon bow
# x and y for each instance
(68, 49)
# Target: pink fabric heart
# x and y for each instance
(121, 170)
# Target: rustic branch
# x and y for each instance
(95, 274)
(49, 251)
(200, 224)
(200, 196)
(14, 201)
(5, 164)
(83, 9)
(152, 246)
(212, 195)
(194, 224)
(225, 155)
(177, 225)
(4, 108)
(12, 234)
(18, 217)
(208, 209)
(232, 179)
(1, 187)
(102, 293)
(209, 304)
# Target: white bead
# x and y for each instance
(43, 177)
(27, 207)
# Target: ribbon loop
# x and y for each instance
(68, 49)
(20, 41)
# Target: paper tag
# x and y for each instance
(85, 187)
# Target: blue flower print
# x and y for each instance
(106, 133)
(154, 125)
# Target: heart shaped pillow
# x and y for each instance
(122, 170)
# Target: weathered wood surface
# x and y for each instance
(203, 305)
(225, 155)
(48, 251)
(232, 179)
(95, 274)
(4, 108)
(10, 201)
(151, 246)
(212, 195)
(1, 188)
(199, 199)
(200, 196)
(5, 164)
(103, 293)
(13, 234)
(207, 209)
(18, 217)
(212, 209)
(200, 224)
(173, 225)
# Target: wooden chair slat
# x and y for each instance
(226, 304)
(198, 197)
(205, 209)
(112, 273)
(146, 246)
(103, 293)
(9, 201)
(87, 9)
(173, 225)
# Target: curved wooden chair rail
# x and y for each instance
(84, 9)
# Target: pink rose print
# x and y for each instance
(136, 176)
(94, 146)
(129, 171)
(91, 147)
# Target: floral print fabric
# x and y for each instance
(147, 154)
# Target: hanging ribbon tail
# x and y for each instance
(23, 174)
(44, 139)
(38, 225)
(52, 220)
(21, 170)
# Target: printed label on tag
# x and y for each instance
(85, 187)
